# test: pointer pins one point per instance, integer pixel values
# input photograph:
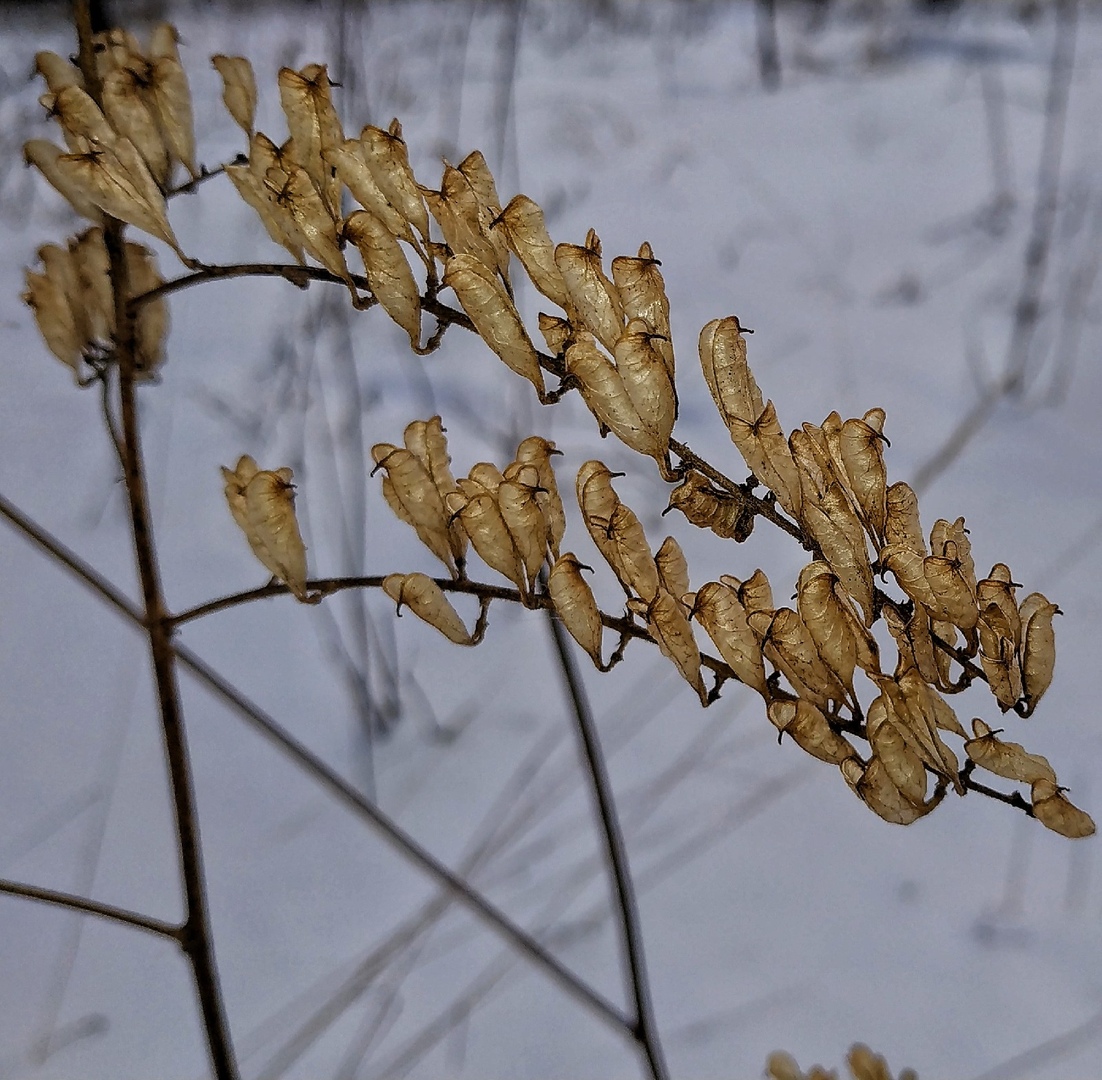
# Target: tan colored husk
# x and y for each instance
(427, 601)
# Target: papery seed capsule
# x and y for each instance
(862, 451)
(427, 601)
(538, 451)
(673, 569)
(387, 158)
(130, 112)
(44, 156)
(901, 522)
(347, 160)
(789, 645)
(723, 359)
(710, 508)
(388, 272)
(673, 633)
(277, 220)
(834, 527)
(765, 451)
(316, 226)
(647, 381)
(902, 764)
(480, 517)
(643, 294)
(238, 89)
(1055, 812)
(593, 297)
(172, 96)
(810, 730)
(875, 789)
(314, 127)
(526, 234)
(516, 497)
(1038, 651)
(414, 489)
(1006, 759)
(574, 602)
(718, 609)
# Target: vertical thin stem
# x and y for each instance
(645, 1028)
(195, 936)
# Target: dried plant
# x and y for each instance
(884, 723)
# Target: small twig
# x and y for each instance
(93, 907)
(204, 175)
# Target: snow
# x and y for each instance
(847, 219)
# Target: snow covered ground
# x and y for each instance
(869, 221)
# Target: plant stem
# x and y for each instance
(645, 1028)
(92, 907)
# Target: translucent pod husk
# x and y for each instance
(642, 292)
(717, 608)
(414, 489)
(901, 762)
(81, 119)
(172, 96)
(427, 441)
(913, 641)
(710, 508)
(912, 708)
(1055, 812)
(277, 219)
(427, 601)
(954, 594)
(755, 593)
(487, 475)
(93, 270)
(494, 315)
(316, 226)
(873, 786)
(603, 390)
(262, 502)
(998, 657)
(130, 112)
(456, 210)
(907, 566)
(1007, 759)
(902, 525)
(598, 501)
(151, 320)
(521, 511)
(314, 126)
(238, 89)
(575, 604)
(673, 569)
(647, 382)
(57, 71)
(998, 588)
(480, 517)
(722, 349)
(56, 321)
(668, 624)
(388, 159)
(835, 529)
(1038, 651)
(945, 533)
(787, 642)
(538, 451)
(524, 229)
(557, 332)
(477, 174)
(594, 300)
(810, 730)
(347, 160)
(766, 453)
(388, 273)
(44, 156)
(862, 451)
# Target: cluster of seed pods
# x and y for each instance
(610, 339)
(864, 1064)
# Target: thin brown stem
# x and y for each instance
(92, 907)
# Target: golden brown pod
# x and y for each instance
(93, 270)
(557, 332)
(708, 507)
(427, 601)
(643, 295)
(521, 512)
(834, 527)
(900, 761)
(57, 71)
(647, 381)
(810, 730)
(1038, 652)
(862, 452)
(151, 320)
(954, 594)
(44, 155)
(276, 218)
(902, 525)
(673, 569)
(766, 453)
(574, 602)
(57, 324)
(913, 710)
(999, 657)
(525, 232)
(172, 96)
(238, 89)
(538, 451)
(347, 160)
(388, 159)
(722, 349)
(594, 300)
(495, 317)
(129, 109)
(788, 643)
(388, 272)
(314, 126)
(316, 226)
(668, 624)
(456, 209)
(717, 608)
(1006, 759)
(945, 533)
(872, 785)
(479, 515)
(1055, 812)
(755, 593)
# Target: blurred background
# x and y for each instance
(904, 201)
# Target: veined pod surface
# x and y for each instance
(427, 441)
(151, 321)
(711, 508)
(1038, 652)
(673, 633)
(387, 271)
(93, 270)
(834, 527)
(647, 381)
(316, 226)
(1055, 812)
(494, 316)
(902, 525)
(722, 349)
(642, 292)
(427, 601)
(1006, 759)
(717, 608)
(481, 519)
(526, 234)
(945, 533)
(673, 569)
(456, 210)
(277, 219)
(521, 511)
(787, 642)
(477, 174)
(44, 156)
(862, 451)
(766, 453)
(57, 71)
(414, 489)
(129, 112)
(172, 96)
(833, 625)
(902, 764)
(538, 451)
(810, 730)
(388, 159)
(314, 127)
(238, 89)
(948, 580)
(57, 324)
(874, 787)
(755, 593)
(574, 602)
(557, 332)
(594, 299)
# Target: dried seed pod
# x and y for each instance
(999, 656)
(172, 96)
(494, 316)
(387, 271)
(262, 502)
(93, 270)
(945, 533)
(765, 451)
(520, 509)
(277, 219)
(603, 390)
(129, 109)
(151, 321)
(538, 451)
(948, 580)
(238, 89)
(594, 299)
(906, 565)
(913, 640)
(865, 1065)
(456, 210)
(316, 226)
(673, 633)
(477, 174)
(314, 127)
(874, 787)
(788, 643)
(487, 475)
(998, 588)
(388, 159)
(631, 558)
(717, 608)
(57, 71)
(902, 526)
(53, 313)
(479, 515)
(710, 508)
(755, 593)
(1038, 652)
(913, 709)
(427, 601)
(834, 527)
(810, 730)
(44, 155)
(1055, 812)
(723, 358)
(414, 489)
(1006, 759)
(82, 121)
(862, 452)
(782, 1066)
(525, 232)
(673, 569)
(647, 381)
(427, 440)
(347, 160)
(558, 333)
(901, 762)
(574, 602)
(643, 294)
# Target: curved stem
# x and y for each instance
(92, 907)
(645, 1028)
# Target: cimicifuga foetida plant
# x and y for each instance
(440, 253)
